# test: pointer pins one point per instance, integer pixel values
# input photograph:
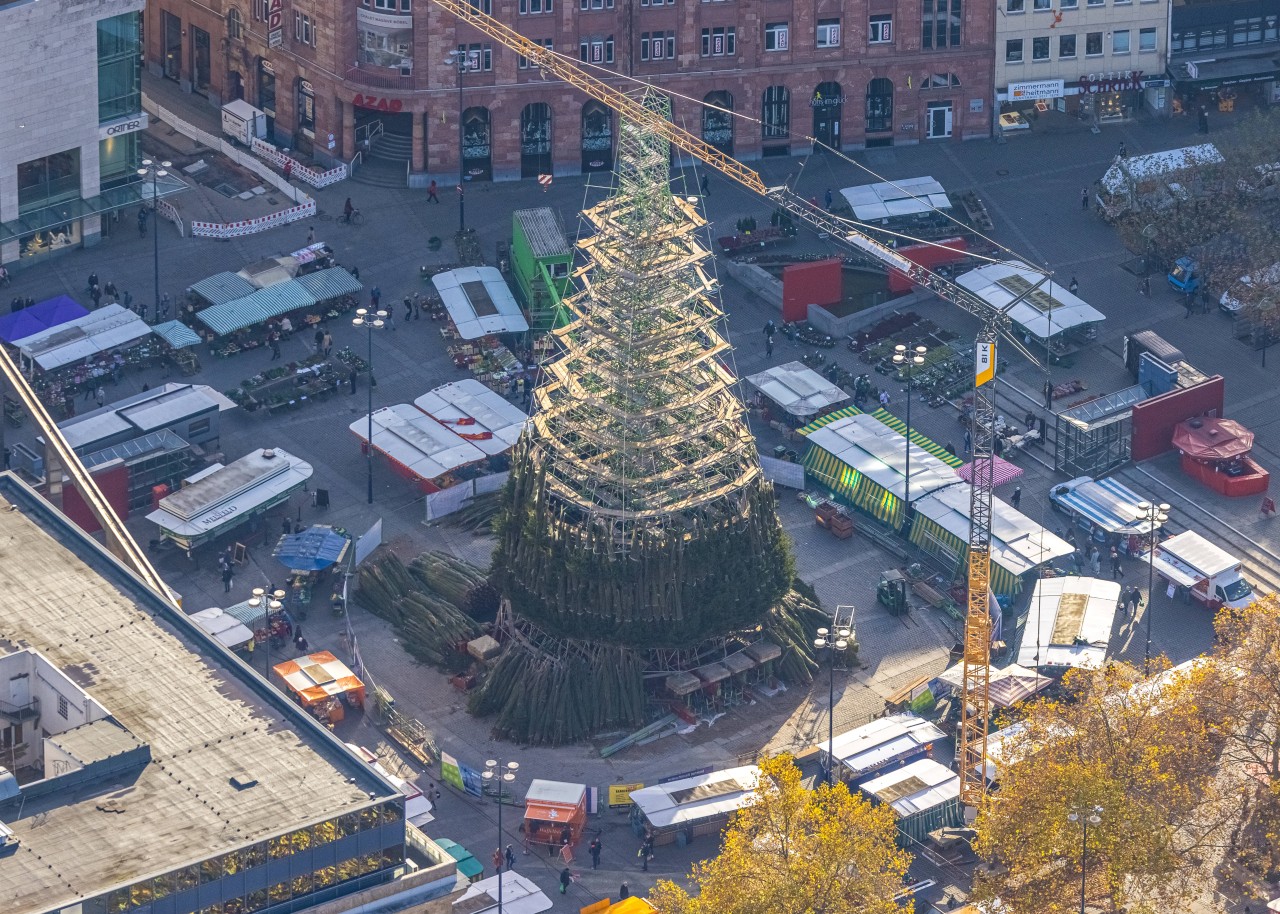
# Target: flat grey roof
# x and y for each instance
(95, 741)
(205, 716)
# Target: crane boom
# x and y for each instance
(975, 713)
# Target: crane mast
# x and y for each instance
(976, 705)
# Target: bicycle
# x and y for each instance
(353, 218)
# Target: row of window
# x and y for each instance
(1120, 44)
(1241, 33)
(1044, 6)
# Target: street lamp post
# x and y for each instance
(496, 772)
(271, 604)
(909, 359)
(371, 321)
(1156, 516)
(1086, 817)
(155, 171)
(837, 646)
(461, 60)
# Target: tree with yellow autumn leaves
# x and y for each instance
(1139, 755)
(796, 851)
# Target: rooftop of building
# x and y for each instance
(207, 720)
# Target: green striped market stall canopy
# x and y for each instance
(926, 444)
(870, 465)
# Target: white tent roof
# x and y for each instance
(998, 284)
(416, 441)
(98, 331)
(1144, 168)
(1009, 686)
(702, 797)
(226, 494)
(799, 390)
(562, 792)
(469, 399)
(878, 452)
(1188, 558)
(227, 630)
(901, 198)
(940, 784)
(1018, 543)
(872, 745)
(519, 896)
(479, 302)
(1069, 621)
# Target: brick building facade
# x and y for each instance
(853, 73)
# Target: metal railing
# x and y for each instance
(387, 78)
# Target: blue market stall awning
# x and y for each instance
(233, 315)
(221, 288)
(41, 316)
(313, 549)
(176, 334)
(334, 282)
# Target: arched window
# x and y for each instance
(235, 27)
(597, 137)
(775, 113)
(535, 140)
(879, 105)
(717, 121)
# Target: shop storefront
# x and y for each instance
(828, 106)
(1224, 85)
(1112, 96)
(1023, 102)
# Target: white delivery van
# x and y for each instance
(242, 122)
(1210, 575)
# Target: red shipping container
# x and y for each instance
(805, 284)
(1155, 418)
(931, 256)
(113, 481)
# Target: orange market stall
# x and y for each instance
(322, 684)
(555, 813)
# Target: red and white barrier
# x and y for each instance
(309, 175)
(250, 226)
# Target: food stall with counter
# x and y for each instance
(1043, 313)
(889, 742)
(485, 322)
(322, 684)
(679, 811)
(221, 498)
(795, 394)
(553, 812)
(428, 454)
(1215, 453)
(924, 797)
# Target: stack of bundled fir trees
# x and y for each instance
(637, 516)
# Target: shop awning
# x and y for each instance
(221, 288)
(318, 676)
(1008, 686)
(475, 413)
(325, 285)
(479, 301)
(313, 549)
(1126, 172)
(283, 298)
(1002, 472)
(1203, 75)
(1044, 313)
(110, 327)
(43, 315)
(176, 334)
(468, 865)
(233, 315)
(798, 389)
(227, 630)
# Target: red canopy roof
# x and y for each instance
(1205, 438)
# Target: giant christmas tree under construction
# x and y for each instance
(637, 526)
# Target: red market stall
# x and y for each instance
(322, 684)
(554, 813)
(420, 448)
(1215, 452)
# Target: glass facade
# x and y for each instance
(48, 180)
(283, 874)
(119, 66)
(118, 160)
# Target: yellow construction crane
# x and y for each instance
(976, 709)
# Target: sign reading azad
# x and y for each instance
(275, 23)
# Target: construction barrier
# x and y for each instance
(250, 226)
(309, 175)
(170, 212)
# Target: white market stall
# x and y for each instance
(1069, 622)
(890, 741)
(690, 807)
(419, 448)
(908, 197)
(110, 328)
(1008, 685)
(221, 498)
(797, 390)
(224, 628)
(924, 796)
(1018, 544)
(479, 302)
(1046, 314)
(863, 460)
(519, 896)
(476, 413)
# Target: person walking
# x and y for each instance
(142, 222)
(968, 442)
(273, 340)
(646, 852)
(1074, 286)
(228, 575)
(109, 290)
(510, 857)
(408, 308)
(566, 878)
(1016, 498)
(375, 296)
(830, 199)
(1204, 119)
(1095, 561)
(164, 308)
(1188, 302)
(96, 294)
(319, 340)
(884, 398)
(768, 347)
(100, 395)
(127, 300)
(1124, 151)
(93, 280)
(311, 234)
(1029, 420)
(352, 378)
(1134, 599)
(1048, 395)
(1084, 198)
(704, 186)
(431, 193)
(594, 849)
(1117, 571)
(624, 891)
(326, 343)
(498, 860)
(1144, 286)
